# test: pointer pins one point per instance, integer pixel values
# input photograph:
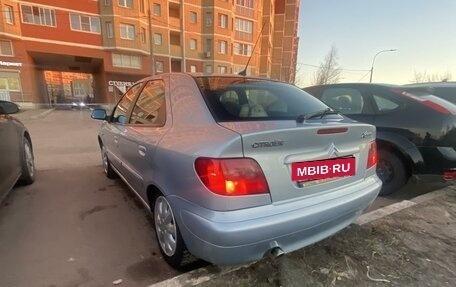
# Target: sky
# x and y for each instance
(422, 31)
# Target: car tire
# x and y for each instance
(107, 168)
(391, 170)
(27, 163)
(169, 238)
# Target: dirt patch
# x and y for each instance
(413, 247)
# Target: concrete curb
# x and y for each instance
(205, 274)
(393, 208)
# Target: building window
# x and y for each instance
(223, 21)
(85, 23)
(6, 48)
(159, 66)
(193, 17)
(192, 69)
(222, 47)
(38, 15)
(208, 45)
(107, 2)
(141, 6)
(245, 3)
(158, 39)
(209, 69)
(9, 16)
(126, 61)
(209, 19)
(127, 31)
(222, 69)
(193, 44)
(174, 10)
(242, 49)
(125, 3)
(243, 25)
(109, 30)
(157, 9)
(9, 81)
(174, 38)
(143, 35)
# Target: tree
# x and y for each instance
(436, 77)
(329, 71)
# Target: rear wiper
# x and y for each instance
(301, 118)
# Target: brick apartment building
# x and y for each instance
(58, 51)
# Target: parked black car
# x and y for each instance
(16, 152)
(416, 131)
(444, 90)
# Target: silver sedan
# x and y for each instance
(236, 168)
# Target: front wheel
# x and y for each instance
(27, 163)
(391, 170)
(168, 235)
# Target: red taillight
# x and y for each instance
(372, 155)
(425, 101)
(231, 176)
(436, 107)
(449, 175)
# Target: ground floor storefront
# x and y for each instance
(42, 75)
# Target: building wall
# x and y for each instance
(266, 46)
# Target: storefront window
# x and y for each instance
(10, 82)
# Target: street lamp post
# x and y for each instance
(373, 61)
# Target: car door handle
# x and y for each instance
(116, 140)
(142, 150)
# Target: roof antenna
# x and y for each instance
(244, 72)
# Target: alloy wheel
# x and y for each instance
(165, 226)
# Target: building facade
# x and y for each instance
(54, 51)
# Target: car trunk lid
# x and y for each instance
(280, 147)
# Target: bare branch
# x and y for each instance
(329, 71)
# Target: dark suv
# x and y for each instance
(416, 131)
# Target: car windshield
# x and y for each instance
(244, 99)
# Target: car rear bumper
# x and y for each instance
(438, 160)
(245, 235)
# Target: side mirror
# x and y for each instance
(99, 114)
(8, 108)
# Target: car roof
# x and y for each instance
(355, 85)
(198, 75)
(432, 84)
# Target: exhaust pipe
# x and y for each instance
(276, 252)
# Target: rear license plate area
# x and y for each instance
(320, 171)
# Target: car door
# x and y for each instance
(112, 132)
(352, 101)
(9, 153)
(147, 125)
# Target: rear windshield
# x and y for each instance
(244, 99)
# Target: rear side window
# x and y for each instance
(150, 107)
(244, 99)
(120, 112)
(384, 105)
(345, 100)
